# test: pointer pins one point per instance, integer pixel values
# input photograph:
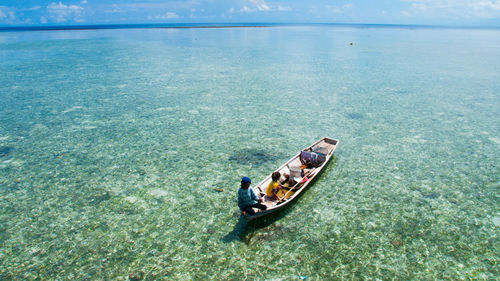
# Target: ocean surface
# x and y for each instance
(121, 152)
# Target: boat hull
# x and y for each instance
(325, 144)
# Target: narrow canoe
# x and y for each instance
(293, 188)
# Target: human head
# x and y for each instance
(245, 182)
(276, 176)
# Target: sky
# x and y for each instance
(98, 12)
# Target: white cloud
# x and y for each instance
(84, 2)
(454, 9)
(35, 8)
(284, 8)
(245, 9)
(114, 9)
(255, 6)
(486, 9)
(7, 15)
(337, 9)
(157, 5)
(61, 13)
(171, 15)
(493, 5)
(43, 20)
(167, 15)
(405, 14)
(260, 5)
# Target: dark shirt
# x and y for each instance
(247, 197)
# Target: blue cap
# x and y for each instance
(246, 179)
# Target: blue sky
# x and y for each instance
(426, 12)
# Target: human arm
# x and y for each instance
(277, 187)
(253, 196)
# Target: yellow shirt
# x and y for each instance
(269, 190)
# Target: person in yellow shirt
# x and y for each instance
(273, 187)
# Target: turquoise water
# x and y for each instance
(113, 143)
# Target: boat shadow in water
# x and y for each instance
(253, 156)
(245, 230)
(266, 228)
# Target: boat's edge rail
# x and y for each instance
(327, 140)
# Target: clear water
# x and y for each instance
(113, 143)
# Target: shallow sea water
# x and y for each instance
(113, 143)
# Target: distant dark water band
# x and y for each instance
(125, 26)
(223, 25)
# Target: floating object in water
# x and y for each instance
(397, 243)
(219, 190)
(136, 276)
(298, 178)
(59, 155)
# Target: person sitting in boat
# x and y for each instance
(273, 187)
(247, 199)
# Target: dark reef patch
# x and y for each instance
(99, 197)
(431, 195)
(401, 92)
(253, 156)
(5, 150)
(355, 116)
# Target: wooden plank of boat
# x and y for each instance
(325, 146)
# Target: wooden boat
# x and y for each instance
(297, 173)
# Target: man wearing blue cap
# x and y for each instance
(247, 199)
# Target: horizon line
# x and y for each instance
(221, 25)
